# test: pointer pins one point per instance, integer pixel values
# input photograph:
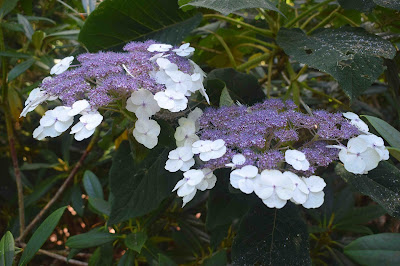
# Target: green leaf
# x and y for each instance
(381, 184)
(7, 6)
(19, 69)
(76, 200)
(389, 133)
(228, 6)
(37, 39)
(102, 256)
(92, 185)
(361, 215)
(127, 259)
(100, 205)
(40, 236)
(351, 55)
(271, 237)
(93, 238)
(7, 249)
(165, 261)
(135, 241)
(14, 54)
(225, 99)
(379, 249)
(26, 25)
(393, 4)
(140, 186)
(354, 228)
(137, 20)
(395, 152)
(360, 5)
(218, 258)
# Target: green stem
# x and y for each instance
(262, 48)
(305, 85)
(308, 20)
(269, 83)
(324, 21)
(352, 23)
(267, 44)
(306, 13)
(226, 47)
(301, 72)
(241, 23)
(253, 61)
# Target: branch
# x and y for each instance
(62, 188)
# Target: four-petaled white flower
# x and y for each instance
(184, 50)
(377, 144)
(208, 181)
(87, 125)
(61, 66)
(146, 132)
(315, 186)
(356, 121)
(297, 159)
(180, 159)
(187, 186)
(237, 160)
(274, 188)
(179, 82)
(185, 134)
(54, 123)
(171, 100)
(300, 192)
(35, 98)
(159, 47)
(208, 149)
(142, 103)
(79, 107)
(244, 178)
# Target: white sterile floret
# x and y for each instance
(297, 159)
(237, 160)
(274, 188)
(171, 100)
(185, 133)
(180, 159)
(54, 123)
(159, 55)
(187, 186)
(358, 157)
(61, 66)
(315, 186)
(208, 181)
(244, 178)
(208, 149)
(377, 144)
(357, 122)
(159, 47)
(179, 82)
(301, 191)
(146, 132)
(184, 50)
(142, 103)
(35, 98)
(79, 107)
(197, 78)
(87, 125)
(167, 69)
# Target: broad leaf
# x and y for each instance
(225, 99)
(14, 54)
(393, 4)
(93, 238)
(379, 249)
(389, 133)
(228, 6)
(100, 205)
(135, 241)
(7, 247)
(19, 69)
(360, 5)
(271, 237)
(136, 21)
(381, 184)
(92, 185)
(41, 235)
(7, 6)
(352, 56)
(140, 186)
(76, 200)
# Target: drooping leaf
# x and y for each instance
(225, 99)
(20, 68)
(7, 6)
(135, 241)
(14, 54)
(7, 247)
(381, 184)
(76, 200)
(361, 215)
(93, 238)
(136, 21)
(89, 5)
(271, 237)
(140, 186)
(395, 152)
(379, 249)
(218, 258)
(40, 236)
(393, 4)
(26, 25)
(128, 259)
(92, 185)
(351, 55)
(389, 133)
(360, 5)
(228, 6)
(100, 205)
(102, 256)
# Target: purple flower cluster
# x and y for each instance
(264, 131)
(102, 78)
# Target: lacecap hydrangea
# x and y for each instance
(144, 79)
(272, 149)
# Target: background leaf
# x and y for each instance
(41, 235)
(20, 68)
(92, 185)
(7, 247)
(360, 5)
(90, 239)
(136, 21)
(389, 133)
(351, 55)
(7, 6)
(379, 249)
(228, 6)
(135, 241)
(393, 4)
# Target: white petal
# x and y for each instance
(315, 183)
(246, 185)
(78, 107)
(314, 200)
(173, 165)
(274, 201)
